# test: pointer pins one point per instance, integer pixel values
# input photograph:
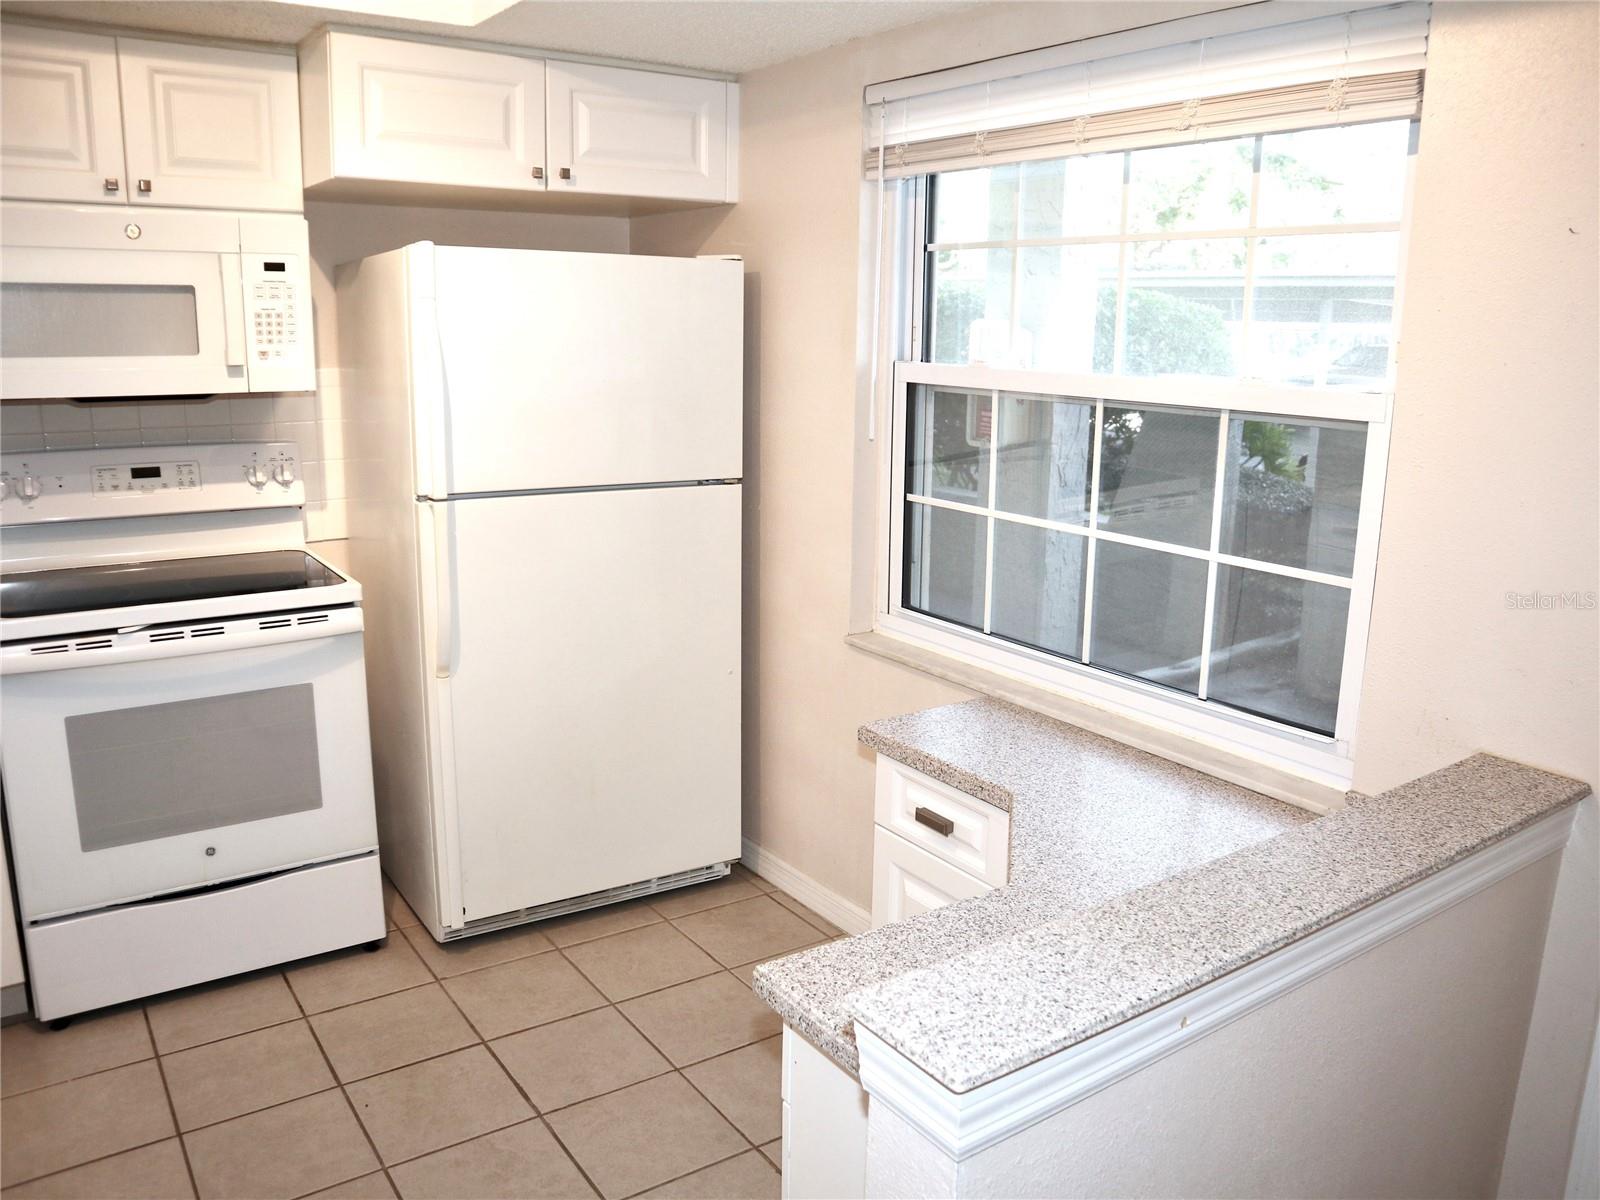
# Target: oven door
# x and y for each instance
(76, 321)
(139, 768)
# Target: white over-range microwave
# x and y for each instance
(99, 302)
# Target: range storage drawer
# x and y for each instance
(950, 825)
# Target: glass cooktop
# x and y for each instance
(118, 585)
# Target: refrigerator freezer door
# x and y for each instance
(584, 370)
(591, 673)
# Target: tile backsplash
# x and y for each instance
(314, 420)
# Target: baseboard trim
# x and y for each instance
(851, 918)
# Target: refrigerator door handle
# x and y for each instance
(443, 595)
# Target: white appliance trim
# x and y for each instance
(960, 1124)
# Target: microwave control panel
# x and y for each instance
(272, 304)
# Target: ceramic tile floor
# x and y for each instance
(613, 1053)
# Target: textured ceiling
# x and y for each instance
(709, 35)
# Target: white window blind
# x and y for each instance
(1095, 95)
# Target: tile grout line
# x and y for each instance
(172, 1108)
(338, 1084)
(538, 1114)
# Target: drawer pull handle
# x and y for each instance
(941, 825)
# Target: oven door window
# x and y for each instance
(161, 770)
(98, 320)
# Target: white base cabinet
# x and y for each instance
(932, 845)
(824, 1125)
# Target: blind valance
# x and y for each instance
(1364, 64)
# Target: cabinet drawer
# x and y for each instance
(951, 825)
(907, 880)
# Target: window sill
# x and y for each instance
(1141, 735)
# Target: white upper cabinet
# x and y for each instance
(60, 121)
(384, 109)
(388, 118)
(122, 120)
(210, 128)
(618, 132)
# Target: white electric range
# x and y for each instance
(183, 722)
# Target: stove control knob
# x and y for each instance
(5, 486)
(28, 488)
(284, 473)
(255, 475)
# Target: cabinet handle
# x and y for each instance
(538, 172)
(144, 186)
(941, 825)
(566, 172)
(113, 185)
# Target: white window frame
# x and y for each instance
(1326, 761)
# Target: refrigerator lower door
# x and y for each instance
(590, 659)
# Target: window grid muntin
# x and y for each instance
(1251, 233)
(1212, 554)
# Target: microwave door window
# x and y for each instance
(98, 320)
(164, 770)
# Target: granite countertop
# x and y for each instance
(1091, 819)
(1133, 880)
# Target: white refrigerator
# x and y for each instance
(544, 461)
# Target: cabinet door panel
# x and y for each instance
(907, 880)
(423, 113)
(62, 128)
(210, 128)
(637, 133)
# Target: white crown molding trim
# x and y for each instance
(963, 1123)
(851, 918)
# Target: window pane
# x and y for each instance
(1072, 197)
(1149, 608)
(1158, 473)
(1185, 307)
(972, 307)
(1278, 646)
(1200, 186)
(1324, 304)
(1069, 306)
(1291, 492)
(1323, 176)
(945, 555)
(1038, 587)
(1045, 458)
(947, 445)
(975, 206)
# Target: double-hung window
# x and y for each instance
(1137, 397)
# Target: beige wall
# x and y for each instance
(1492, 477)
(799, 222)
(1499, 319)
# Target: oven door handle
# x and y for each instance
(444, 616)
